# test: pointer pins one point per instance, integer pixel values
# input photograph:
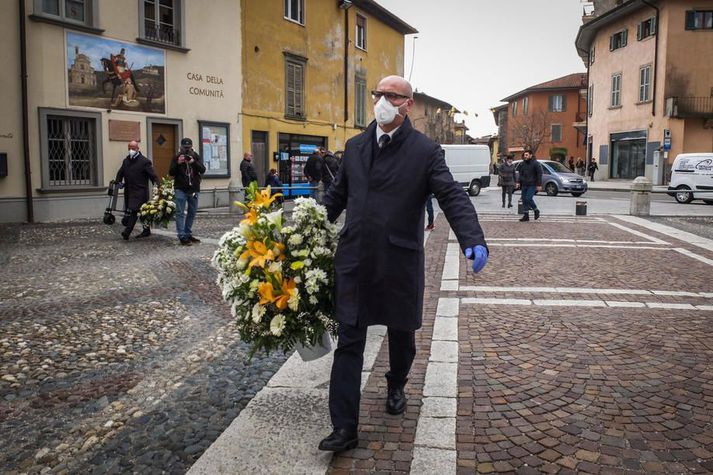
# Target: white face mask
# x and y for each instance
(133, 153)
(385, 112)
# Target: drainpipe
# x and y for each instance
(656, 55)
(25, 128)
(586, 127)
(346, 67)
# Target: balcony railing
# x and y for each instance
(682, 107)
(162, 34)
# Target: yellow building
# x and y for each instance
(308, 67)
(101, 73)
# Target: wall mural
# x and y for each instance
(111, 74)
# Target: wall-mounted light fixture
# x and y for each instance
(344, 4)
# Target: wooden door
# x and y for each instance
(259, 151)
(163, 147)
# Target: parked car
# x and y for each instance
(469, 165)
(693, 172)
(557, 178)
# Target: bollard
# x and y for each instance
(640, 204)
(520, 207)
(233, 196)
(580, 208)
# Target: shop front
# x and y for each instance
(294, 150)
(628, 155)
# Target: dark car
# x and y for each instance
(557, 178)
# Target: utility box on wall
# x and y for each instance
(3, 165)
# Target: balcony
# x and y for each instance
(163, 33)
(580, 122)
(684, 107)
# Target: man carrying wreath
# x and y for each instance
(379, 263)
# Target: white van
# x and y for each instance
(469, 165)
(692, 171)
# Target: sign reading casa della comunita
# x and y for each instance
(206, 85)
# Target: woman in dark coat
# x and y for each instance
(507, 179)
(134, 175)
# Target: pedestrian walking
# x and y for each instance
(186, 169)
(592, 168)
(330, 167)
(570, 163)
(506, 180)
(429, 213)
(529, 175)
(313, 173)
(580, 166)
(379, 262)
(134, 174)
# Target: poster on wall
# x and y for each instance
(112, 74)
(215, 148)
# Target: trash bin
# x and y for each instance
(520, 207)
(581, 208)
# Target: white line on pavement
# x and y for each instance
(584, 303)
(637, 233)
(693, 255)
(684, 236)
(580, 290)
(587, 241)
(590, 246)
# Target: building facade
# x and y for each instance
(99, 74)
(650, 88)
(435, 118)
(309, 67)
(546, 118)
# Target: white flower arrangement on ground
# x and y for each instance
(161, 208)
(279, 280)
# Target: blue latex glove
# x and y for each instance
(120, 185)
(479, 255)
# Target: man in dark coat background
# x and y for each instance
(379, 262)
(134, 175)
(186, 169)
(529, 176)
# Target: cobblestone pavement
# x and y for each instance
(583, 347)
(115, 357)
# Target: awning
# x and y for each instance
(516, 149)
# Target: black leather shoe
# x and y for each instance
(194, 240)
(525, 217)
(339, 441)
(396, 401)
(125, 235)
(145, 233)
(537, 214)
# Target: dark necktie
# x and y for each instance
(384, 140)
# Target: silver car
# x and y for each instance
(556, 178)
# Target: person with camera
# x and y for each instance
(186, 169)
(134, 175)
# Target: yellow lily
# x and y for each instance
(286, 291)
(250, 217)
(266, 293)
(264, 198)
(258, 253)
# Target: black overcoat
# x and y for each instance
(379, 263)
(136, 173)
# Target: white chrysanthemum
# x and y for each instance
(294, 301)
(258, 312)
(295, 240)
(274, 267)
(277, 324)
(313, 300)
(254, 285)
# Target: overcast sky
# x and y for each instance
(472, 53)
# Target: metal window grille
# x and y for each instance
(71, 155)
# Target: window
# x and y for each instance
(525, 105)
(556, 132)
(646, 28)
(70, 148)
(645, 83)
(295, 82)
(295, 11)
(360, 32)
(616, 90)
(161, 21)
(591, 55)
(590, 100)
(514, 108)
(699, 20)
(71, 11)
(618, 40)
(558, 103)
(360, 101)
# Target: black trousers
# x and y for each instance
(345, 384)
(131, 217)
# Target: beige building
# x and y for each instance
(435, 118)
(650, 94)
(101, 73)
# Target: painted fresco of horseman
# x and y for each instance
(119, 74)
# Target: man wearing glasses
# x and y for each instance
(387, 173)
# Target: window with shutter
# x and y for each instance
(360, 101)
(294, 89)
